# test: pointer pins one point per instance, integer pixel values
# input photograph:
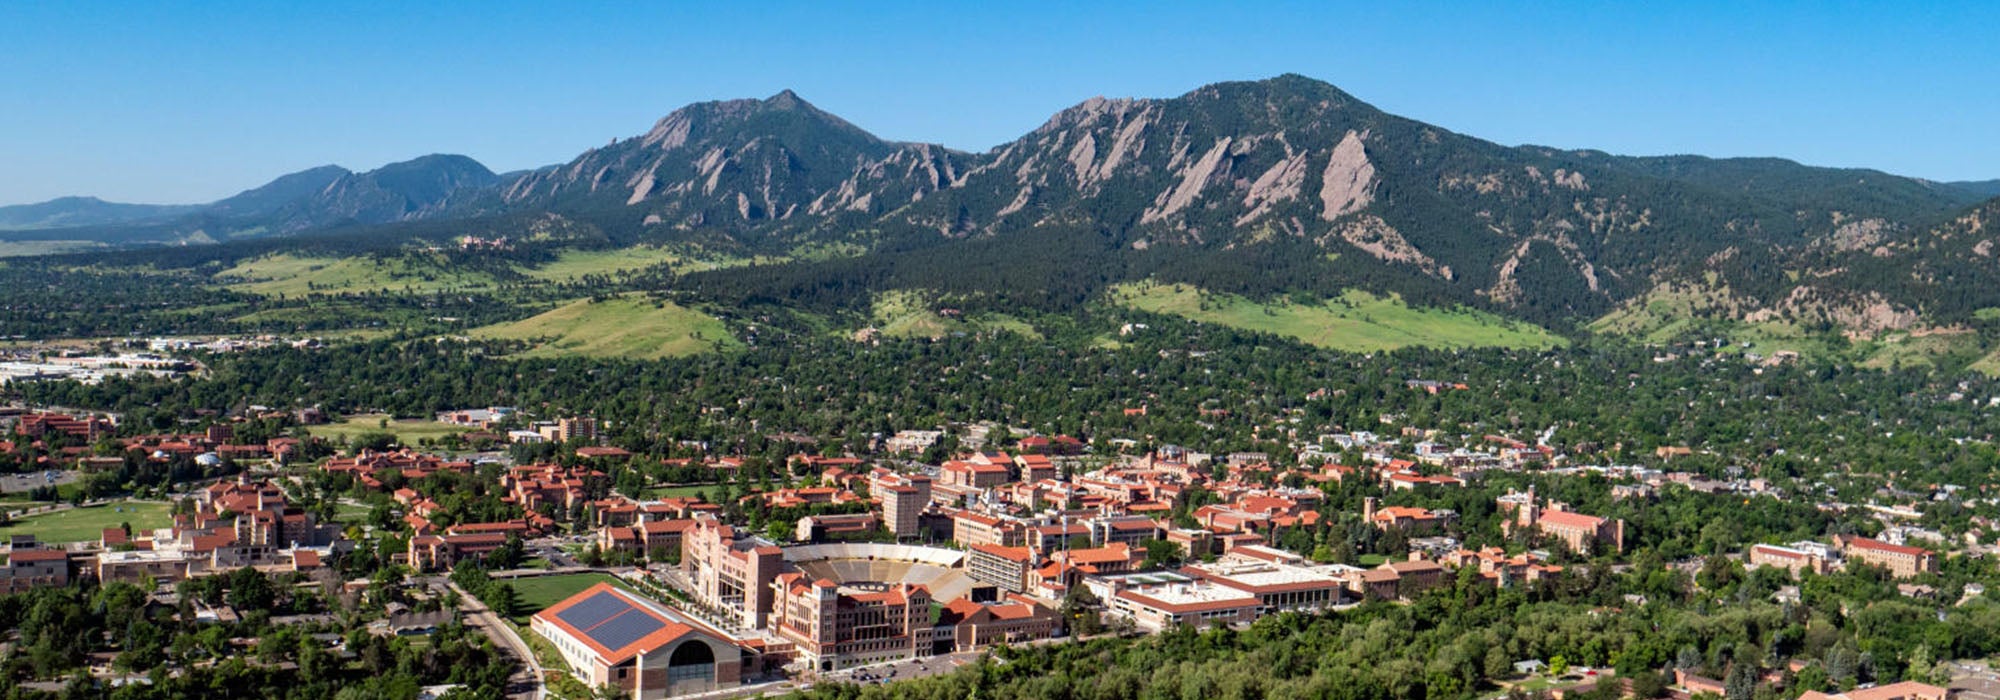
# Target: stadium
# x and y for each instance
(868, 567)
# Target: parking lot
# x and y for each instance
(16, 483)
(904, 670)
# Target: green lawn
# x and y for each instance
(349, 513)
(625, 326)
(407, 432)
(543, 591)
(87, 524)
(1355, 322)
(659, 492)
(1369, 560)
(293, 276)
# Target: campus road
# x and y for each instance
(503, 636)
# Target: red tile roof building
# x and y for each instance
(1901, 561)
(611, 637)
(837, 629)
(28, 568)
(1581, 533)
(729, 569)
(1793, 560)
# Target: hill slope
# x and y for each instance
(1254, 188)
(68, 212)
(1389, 204)
(624, 326)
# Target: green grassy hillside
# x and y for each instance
(1356, 322)
(626, 326)
(1688, 312)
(575, 264)
(909, 314)
(291, 275)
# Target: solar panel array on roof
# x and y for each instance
(622, 630)
(590, 612)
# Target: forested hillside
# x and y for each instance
(1286, 188)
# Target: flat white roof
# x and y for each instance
(1273, 575)
(139, 555)
(1195, 593)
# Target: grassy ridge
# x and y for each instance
(625, 326)
(1667, 315)
(1355, 322)
(571, 265)
(908, 314)
(291, 275)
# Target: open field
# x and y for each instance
(681, 491)
(355, 317)
(291, 275)
(1941, 347)
(907, 314)
(1355, 322)
(407, 432)
(350, 513)
(1684, 313)
(87, 524)
(626, 326)
(10, 249)
(1670, 314)
(543, 591)
(576, 264)
(571, 265)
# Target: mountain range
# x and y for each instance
(1290, 173)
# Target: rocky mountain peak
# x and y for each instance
(786, 99)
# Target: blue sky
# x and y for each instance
(188, 102)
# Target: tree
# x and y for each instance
(1647, 684)
(1161, 554)
(1921, 667)
(504, 600)
(372, 440)
(250, 589)
(1079, 612)
(1741, 681)
(508, 555)
(1843, 666)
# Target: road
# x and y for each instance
(503, 636)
